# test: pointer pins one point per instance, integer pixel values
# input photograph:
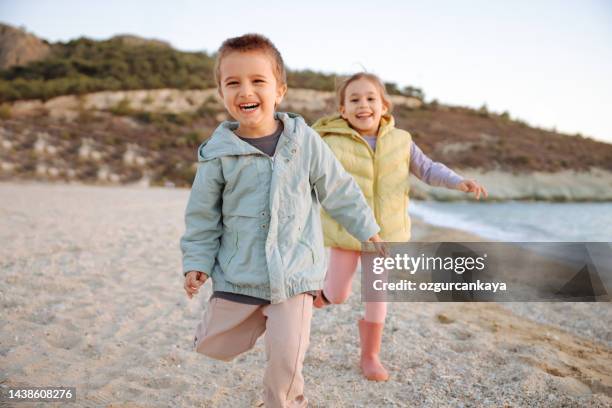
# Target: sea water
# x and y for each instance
(521, 221)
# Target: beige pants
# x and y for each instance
(230, 328)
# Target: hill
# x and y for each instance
(17, 47)
(153, 105)
(124, 62)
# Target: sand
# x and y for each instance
(91, 296)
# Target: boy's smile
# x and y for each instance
(250, 91)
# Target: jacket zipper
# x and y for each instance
(375, 184)
(273, 158)
(374, 169)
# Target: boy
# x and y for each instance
(253, 220)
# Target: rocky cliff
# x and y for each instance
(17, 47)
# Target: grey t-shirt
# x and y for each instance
(266, 144)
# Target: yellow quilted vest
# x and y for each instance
(382, 175)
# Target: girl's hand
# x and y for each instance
(380, 245)
(193, 281)
(471, 186)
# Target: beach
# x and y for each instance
(92, 297)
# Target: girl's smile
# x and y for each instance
(363, 107)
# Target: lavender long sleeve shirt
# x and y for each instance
(426, 170)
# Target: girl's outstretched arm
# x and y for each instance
(437, 174)
(431, 172)
(472, 186)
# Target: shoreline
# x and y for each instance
(577, 187)
(92, 297)
(425, 232)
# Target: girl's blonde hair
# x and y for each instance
(374, 79)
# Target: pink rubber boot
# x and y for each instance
(370, 336)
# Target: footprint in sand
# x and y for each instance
(444, 319)
(463, 347)
(85, 311)
(166, 382)
(572, 386)
(91, 351)
(41, 316)
(461, 334)
(132, 393)
(63, 339)
(570, 378)
(99, 398)
(465, 341)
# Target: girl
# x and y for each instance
(380, 157)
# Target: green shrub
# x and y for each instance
(483, 111)
(180, 119)
(85, 65)
(193, 138)
(206, 111)
(122, 108)
(160, 143)
(144, 116)
(5, 111)
(413, 92)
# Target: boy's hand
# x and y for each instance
(193, 281)
(380, 245)
(471, 186)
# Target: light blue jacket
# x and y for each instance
(255, 221)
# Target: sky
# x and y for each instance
(546, 62)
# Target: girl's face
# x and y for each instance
(363, 107)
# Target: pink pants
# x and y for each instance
(338, 283)
(230, 328)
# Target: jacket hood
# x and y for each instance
(224, 142)
(336, 125)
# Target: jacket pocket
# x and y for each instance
(228, 252)
(310, 249)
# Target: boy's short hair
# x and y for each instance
(374, 79)
(251, 42)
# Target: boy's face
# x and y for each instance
(363, 107)
(250, 91)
